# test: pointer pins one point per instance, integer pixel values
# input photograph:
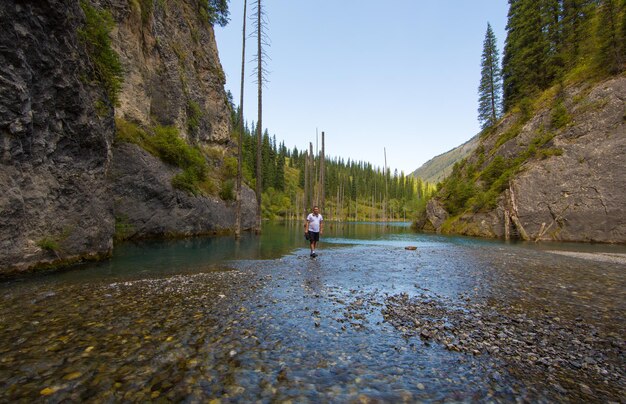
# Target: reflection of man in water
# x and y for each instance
(313, 227)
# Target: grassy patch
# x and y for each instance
(174, 150)
(48, 244)
(95, 36)
(130, 133)
(229, 168)
(227, 192)
(123, 229)
(165, 143)
(508, 135)
(194, 114)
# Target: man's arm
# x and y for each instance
(306, 225)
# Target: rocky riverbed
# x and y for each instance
(364, 323)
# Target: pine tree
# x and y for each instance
(623, 33)
(552, 12)
(279, 176)
(610, 55)
(510, 80)
(490, 87)
(525, 65)
(574, 28)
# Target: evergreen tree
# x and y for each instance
(553, 31)
(490, 87)
(574, 28)
(215, 11)
(525, 68)
(623, 33)
(610, 55)
(279, 176)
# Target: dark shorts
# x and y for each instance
(314, 236)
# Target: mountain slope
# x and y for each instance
(436, 169)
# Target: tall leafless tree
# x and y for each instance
(322, 179)
(240, 125)
(261, 37)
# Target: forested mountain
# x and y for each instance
(551, 167)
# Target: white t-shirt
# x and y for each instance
(314, 222)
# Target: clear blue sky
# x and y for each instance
(401, 75)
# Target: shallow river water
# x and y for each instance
(204, 319)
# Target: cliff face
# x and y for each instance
(173, 77)
(55, 147)
(574, 192)
(64, 180)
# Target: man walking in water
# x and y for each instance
(313, 228)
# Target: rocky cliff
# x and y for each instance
(173, 77)
(555, 174)
(56, 148)
(67, 183)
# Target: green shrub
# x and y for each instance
(493, 171)
(95, 36)
(48, 244)
(526, 109)
(174, 150)
(194, 114)
(229, 169)
(459, 191)
(508, 135)
(123, 229)
(187, 181)
(227, 192)
(549, 152)
(560, 117)
(129, 132)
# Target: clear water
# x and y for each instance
(258, 320)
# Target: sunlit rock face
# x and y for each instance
(581, 194)
(573, 188)
(172, 69)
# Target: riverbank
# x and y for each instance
(367, 320)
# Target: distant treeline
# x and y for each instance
(349, 186)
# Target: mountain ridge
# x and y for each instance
(437, 168)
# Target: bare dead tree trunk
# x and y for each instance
(385, 172)
(322, 168)
(259, 128)
(312, 177)
(307, 180)
(240, 124)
